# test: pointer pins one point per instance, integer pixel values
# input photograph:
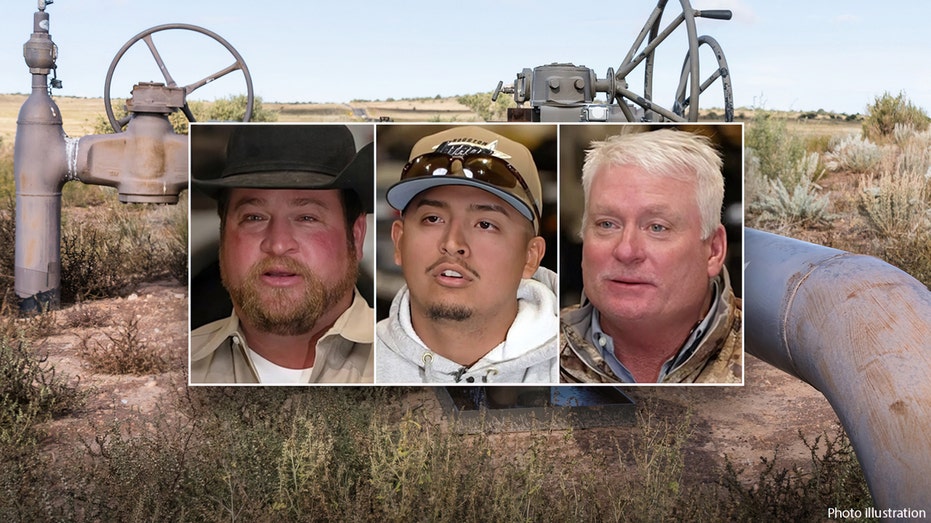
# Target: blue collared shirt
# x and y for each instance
(606, 344)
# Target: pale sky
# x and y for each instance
(787, 55)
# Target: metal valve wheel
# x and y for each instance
(146, 36)
(643, 50)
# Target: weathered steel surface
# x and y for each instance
(147, 163)
(858, 330)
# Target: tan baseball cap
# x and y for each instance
(473, 156)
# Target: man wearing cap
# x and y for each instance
(477, 306)
(657, 304)
(292, 201)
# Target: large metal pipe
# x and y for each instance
(147, 164)
(39, 165)
(858, 330)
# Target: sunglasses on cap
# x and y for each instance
(482, 167)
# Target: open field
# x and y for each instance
(80, 115)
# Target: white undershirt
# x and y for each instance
(271, 373)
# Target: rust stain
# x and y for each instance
(899, 407)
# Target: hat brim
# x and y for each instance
(401, 193)
(358, 176)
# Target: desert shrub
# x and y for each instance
(781, 155)
(488, 110)
(124, 352)
(7, 240)
(26, 474)
(886, 111)
(28, 382)
(914, 156)
(107, 251)
(176, 241)
(231, 108)
(819, 143)
(853, 154)
(832, 479)
(911, 253)
(31, 393)
(93, 262)
(803, 206)
(82, 316)
(7, 181)
(895, 204)
(658, 463)
(76, 194)
(755, 184)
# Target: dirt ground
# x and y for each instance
(744, 423)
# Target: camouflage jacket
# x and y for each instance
(717, 359)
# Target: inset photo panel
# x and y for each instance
(651, 254)
(467, 286)
(282, 254)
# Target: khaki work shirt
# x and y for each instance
(219, 354)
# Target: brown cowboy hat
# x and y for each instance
(291, 156)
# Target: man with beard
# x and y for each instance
(477, 307)
(292, 201)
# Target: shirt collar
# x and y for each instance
(605, 343)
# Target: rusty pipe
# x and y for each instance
(858, 330)
(147, 164)
(39, 161)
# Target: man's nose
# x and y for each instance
(279, 237)
(453, 242)
(629, 246)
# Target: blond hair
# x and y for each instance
(666, 152)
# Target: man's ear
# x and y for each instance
(717, 251)
(536, 248)
(397, 230)
(358, 234)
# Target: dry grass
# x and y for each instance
(80, 115)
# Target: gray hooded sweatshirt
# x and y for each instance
(529, 353)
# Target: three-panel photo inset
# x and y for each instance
(471, 254)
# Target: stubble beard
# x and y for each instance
(443, 311)
(277, 310)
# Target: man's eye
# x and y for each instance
(307, 219)
(658, 228)
(431, 218)
(486, 225)
(604, 224)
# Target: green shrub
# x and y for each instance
(488, 110)
(886, 111)
(776, 149)
(231, 108)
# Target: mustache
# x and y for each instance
(460, 263)
(279, 262)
